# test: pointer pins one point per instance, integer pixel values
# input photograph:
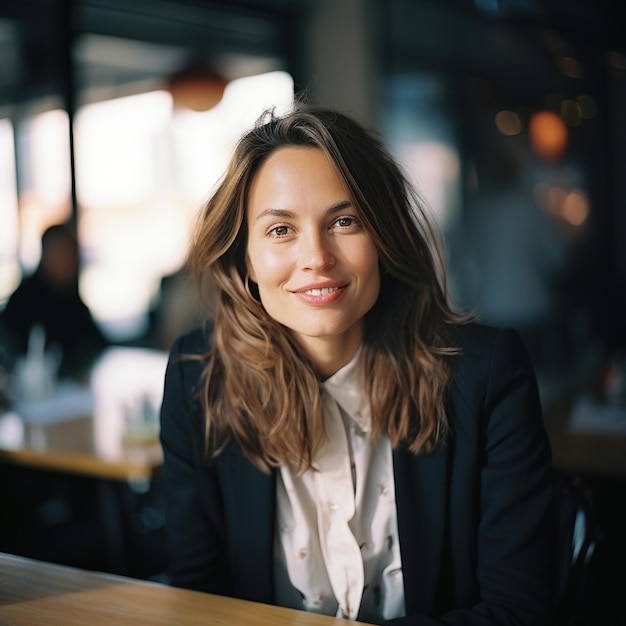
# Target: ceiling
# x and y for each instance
(119, 45)
(123, 44)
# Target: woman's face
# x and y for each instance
(314, 263)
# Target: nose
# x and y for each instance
(317, 253)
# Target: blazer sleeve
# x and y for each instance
(195, 526)
(503, 460)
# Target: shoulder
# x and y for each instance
(490, 358)
(479, 338)
(480, 344)
(193, 343)
(24, 304)
(188, 358)
(28, 286)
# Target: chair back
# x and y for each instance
(578, 539)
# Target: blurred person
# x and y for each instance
(49, 298)
(338, 440)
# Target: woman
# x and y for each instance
(340, 441)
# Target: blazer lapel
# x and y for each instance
(421, 495)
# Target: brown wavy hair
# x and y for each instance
(259, 389)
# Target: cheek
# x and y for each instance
(266, 265)
(367, 261)
(370, 274)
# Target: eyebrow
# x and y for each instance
(344, 204)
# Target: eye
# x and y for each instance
(346, 221)
(279, 231)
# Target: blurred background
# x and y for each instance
(118, 116)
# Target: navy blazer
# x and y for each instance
(473, 516)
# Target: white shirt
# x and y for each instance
(336, 547)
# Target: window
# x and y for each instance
(43, 196)
(143, 169)
(9, 266)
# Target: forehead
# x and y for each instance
(296, 171)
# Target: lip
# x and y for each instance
(320, 294)
(326, 284)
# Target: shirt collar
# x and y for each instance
(346, 388)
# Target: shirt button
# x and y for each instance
(333, 507)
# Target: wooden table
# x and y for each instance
(33, 593)
(98, 430)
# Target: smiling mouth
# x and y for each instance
(321, 292)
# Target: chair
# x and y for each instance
(578, 538)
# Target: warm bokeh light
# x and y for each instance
(508, 123)
(548, 135)
(575, 207)
(588, 106)
(571, 205)
(197, 90)
(571, 113)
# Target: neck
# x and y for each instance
(330, 354)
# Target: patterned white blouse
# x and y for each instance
(336, 548)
